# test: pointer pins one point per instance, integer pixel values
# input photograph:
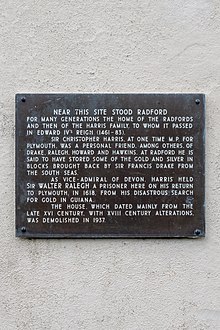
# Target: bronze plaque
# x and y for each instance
(110, 165)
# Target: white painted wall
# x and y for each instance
(109, 46)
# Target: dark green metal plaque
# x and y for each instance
(110, 165)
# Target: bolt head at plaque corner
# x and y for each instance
(23, 99)
(23, 229)
(197, 232)
(197, 101)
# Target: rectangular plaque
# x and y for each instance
(110, 165)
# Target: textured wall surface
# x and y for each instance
(109, 46)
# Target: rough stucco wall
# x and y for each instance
(109, 46)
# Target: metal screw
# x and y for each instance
(23, 229)
(197, 101)
(23, 99)
(197, 232)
